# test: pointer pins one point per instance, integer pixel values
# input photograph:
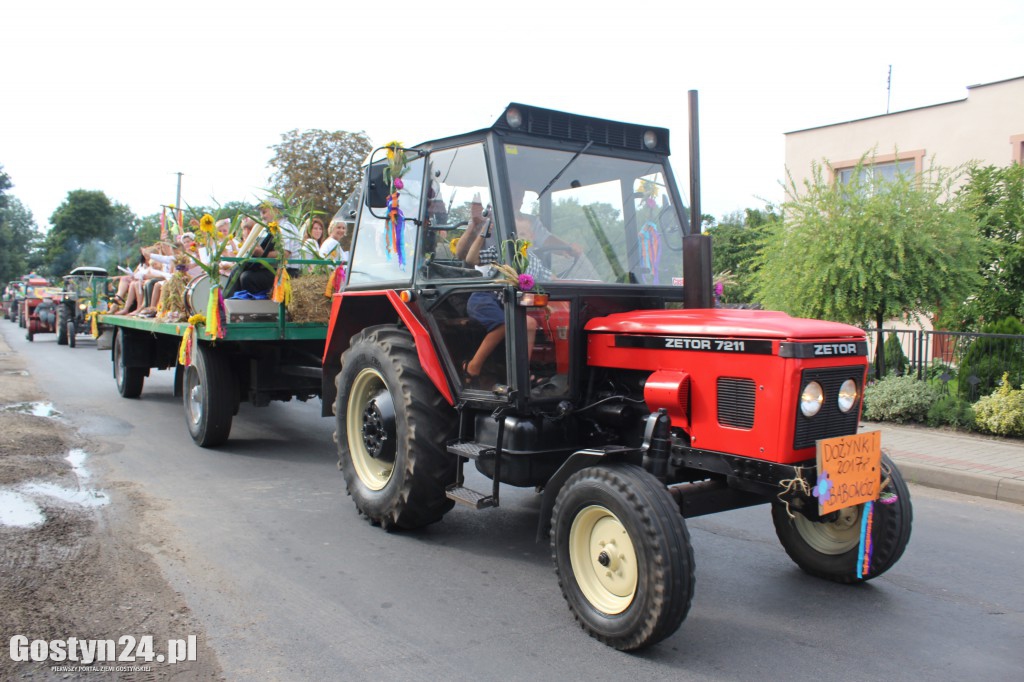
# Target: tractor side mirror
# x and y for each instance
(377, 189)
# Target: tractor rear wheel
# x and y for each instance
(622, 555)
(62, 330)
(209, 393)
(392, 432)
(129, 380)
(829, 549)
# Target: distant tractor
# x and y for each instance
(84, 292)
(39, 308)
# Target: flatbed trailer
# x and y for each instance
(261, 357)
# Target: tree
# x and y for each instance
(995, 198)
(80, 224)
(735, 242)
(318, 166)
(18, 237)
(869, 249)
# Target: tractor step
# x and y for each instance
(470, 449)
(470, 498)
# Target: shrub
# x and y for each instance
(952, 410)
(988, 358)
(1002, 412)
(899, 399)
(895, 359)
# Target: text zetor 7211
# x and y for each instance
(529, 297)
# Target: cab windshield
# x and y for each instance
(596, 218)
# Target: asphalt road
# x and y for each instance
(261, 539)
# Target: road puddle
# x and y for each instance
(36, 409)
(21, 507)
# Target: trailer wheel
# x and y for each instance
(829, 549)
(209, 394)
(62, 332)
(129, 380)
(622, 555)
(72, 332)
(29, 335)
(392, 430)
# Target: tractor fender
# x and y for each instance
(578, 461)
(353, 311)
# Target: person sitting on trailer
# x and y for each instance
(255, 278)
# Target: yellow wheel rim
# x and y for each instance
(373, 472)
(603, 559)
(831, 537)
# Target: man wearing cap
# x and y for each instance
(256, 278)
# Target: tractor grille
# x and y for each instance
(829, 422)
(736, 402)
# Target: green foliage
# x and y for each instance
(988, 358)
(80, 223)
(994, 197)
(1002, 412)
(899, 399)
(867, 250)
(895, 359)
(319, 167)
(18, 237)
(735, 242)
(953, 411)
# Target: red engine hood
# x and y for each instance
(722, 322)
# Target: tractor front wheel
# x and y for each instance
(392, 430)
(829, 549)
(72, 332)
(622, 555)
(62, 330)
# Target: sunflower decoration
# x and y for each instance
(515, 262)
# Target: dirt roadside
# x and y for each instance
(76, 568)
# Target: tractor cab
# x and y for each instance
(576, 218)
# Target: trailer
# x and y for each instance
(261, 357)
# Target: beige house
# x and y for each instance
(987, 126)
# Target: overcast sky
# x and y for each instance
(120, 96)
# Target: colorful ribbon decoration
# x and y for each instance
(215, 319)
(650, 252)
(282, 292)
(395, 230)
(334, 281)
(188, 339)
(866, 545)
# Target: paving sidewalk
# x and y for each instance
(971, 464)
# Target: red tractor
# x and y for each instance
(615, 388)
(39, 308)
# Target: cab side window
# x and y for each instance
(455, 179)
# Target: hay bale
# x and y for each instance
(308, 301)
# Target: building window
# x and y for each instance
(883, 168)
(1017, 148)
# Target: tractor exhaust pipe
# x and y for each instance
(696, 246)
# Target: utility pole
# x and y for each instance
(888, 90)
(177, 206)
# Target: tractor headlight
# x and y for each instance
(847, 395)
(811, 399)
(83, 306)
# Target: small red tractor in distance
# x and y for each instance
(39, 309)
(616, 389)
